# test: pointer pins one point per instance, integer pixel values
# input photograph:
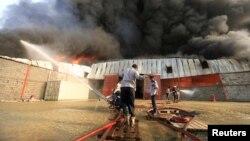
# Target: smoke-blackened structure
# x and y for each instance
(110, 29)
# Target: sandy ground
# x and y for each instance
(67, 120)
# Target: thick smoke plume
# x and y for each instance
(110, 29)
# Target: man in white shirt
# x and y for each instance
(128, 86)
(168, 92)
(153, 92)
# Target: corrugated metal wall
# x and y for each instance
(187, 74)
(181, 67)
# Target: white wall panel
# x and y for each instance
(192, 67)
(198, 66)
(180, 67)
(175, 67)
(158, 65)
(186, 67)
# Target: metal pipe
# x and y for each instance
(224, 89)
(25, 82)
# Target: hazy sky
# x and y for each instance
(5, 3)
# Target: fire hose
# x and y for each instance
(106, 127)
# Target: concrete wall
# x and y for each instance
(65, 90)
(203, 93)
(237, 86)
(52, 90)
(36, 82)
(73, 91)
(12, 77)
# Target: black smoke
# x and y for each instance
(110, 29)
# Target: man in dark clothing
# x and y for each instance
(175, 93)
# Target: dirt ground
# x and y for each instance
(67, 120)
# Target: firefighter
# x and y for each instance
(128, 85)
(174, 92)
(153, 92)
(168, 92)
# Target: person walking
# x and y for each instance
(168, 92)
(153, 92)
(128, 86)
(175, 94)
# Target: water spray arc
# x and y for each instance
(37, 49)
(188, 92)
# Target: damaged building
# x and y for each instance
(226, 79)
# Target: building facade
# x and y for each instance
(226, 79)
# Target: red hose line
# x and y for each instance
(25, 82)
(96, 131)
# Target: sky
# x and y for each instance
(197, 28)
(5, 3)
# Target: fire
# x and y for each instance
(74, 60)
(82, 59)
(60, 57)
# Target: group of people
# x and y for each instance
(175, 92)
(126, 90)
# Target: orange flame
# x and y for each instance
(60, 57)
(82, 59)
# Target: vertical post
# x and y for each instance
(224, 89)
(47, 88)
(178, 81)
(25, 82)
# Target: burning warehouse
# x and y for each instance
(226, 79)
(111, 35)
